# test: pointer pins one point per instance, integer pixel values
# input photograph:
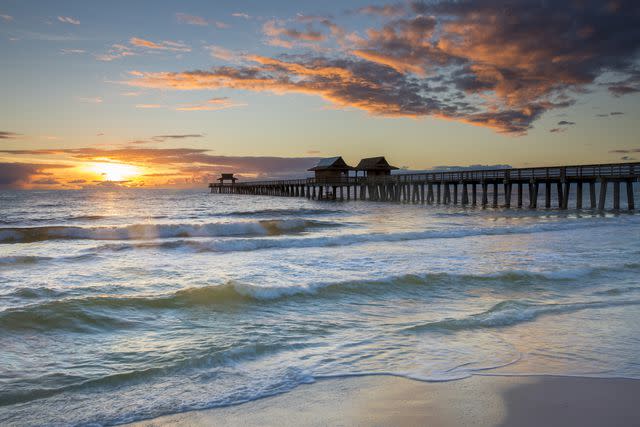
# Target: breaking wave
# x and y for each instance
(507, 313)
(90, 313)
(159, 231)
(247, 244)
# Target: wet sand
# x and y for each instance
(393, 401)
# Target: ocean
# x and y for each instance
(118, 306)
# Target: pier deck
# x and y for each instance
(493, 188)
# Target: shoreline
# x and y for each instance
(387, 400)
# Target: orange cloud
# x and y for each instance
(164, 45)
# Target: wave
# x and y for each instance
(22, 260)
(240, 244)
(284, 212)
(87, 314)
(512, 312)
(159, 231)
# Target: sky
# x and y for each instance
(172, 93)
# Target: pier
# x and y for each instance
(516, 187)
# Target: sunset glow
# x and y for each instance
(115, 171)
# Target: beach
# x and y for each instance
(393, 401)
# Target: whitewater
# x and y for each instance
(139, 303)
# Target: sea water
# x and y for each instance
(118, 306)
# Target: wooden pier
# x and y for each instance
(487, 188)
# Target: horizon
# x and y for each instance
(197, 89)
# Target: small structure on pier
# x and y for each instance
(375, 166)
(332, 168)
(227, 177)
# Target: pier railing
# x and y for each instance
(597, 171)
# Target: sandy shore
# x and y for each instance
(392, 401)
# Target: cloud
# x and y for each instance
(68, 20)
(360, 84)
(9, 135)
(46, 181)
(221, 53)
(77, 181)
(213, 104)
(470, 167)
(6, 18)
(116, 51)
(614, 113)
(90, 100)
(185, 18)
(278, 35)
(557, 130)
(473, 61)
(178, 136)
(241, 15)
(163, 45)
(187, 161)
(15, 175)
(149, 106)
(626, 151)
(565, 123)
(386, 10)
(72, 51)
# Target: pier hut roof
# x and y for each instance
(332, 163)
(374, 163)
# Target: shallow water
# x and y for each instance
(119, 306)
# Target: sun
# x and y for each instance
(115, 171)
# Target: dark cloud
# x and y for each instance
(46, 181)
(617, 113)
(9, 135)
(13, 175)
(484, 62)
(626, 151)
(557, 130)
(627, 158)
(565, 123)
(77, 181)
(180, 136)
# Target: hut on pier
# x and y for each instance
(375, 166)
(331, 169)
(227, 177)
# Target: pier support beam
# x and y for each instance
(474, 194)
(630, 202)
(579, 195)
(495, 195)
(603, 193)
(507, 194)
(560, 194)
(547, 195)
(485, 195)
(465, 194)
(533, 194)
(616, 195)
(565, 195)
(519, 194)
